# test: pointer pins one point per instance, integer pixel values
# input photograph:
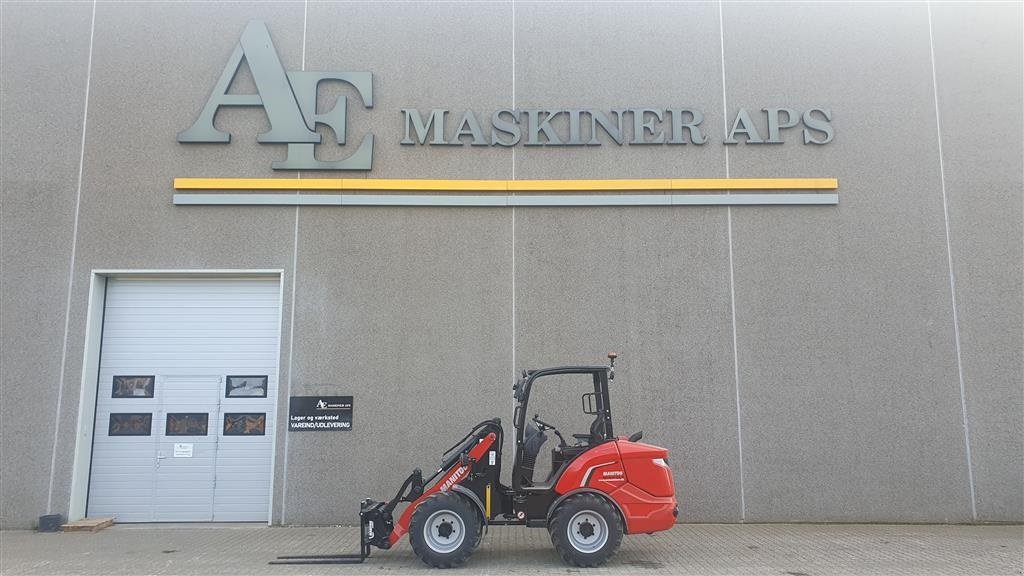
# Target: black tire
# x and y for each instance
(479, 530)
(596, 530)
(444, 530)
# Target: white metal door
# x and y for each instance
(185, 405)
(186, 457)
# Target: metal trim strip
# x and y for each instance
(504, 201)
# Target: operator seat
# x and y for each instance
(596, 435)
(533, 439)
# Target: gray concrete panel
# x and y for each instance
(423, 55)
(978, 70)
(131, 157)
(653, 285)
(412, 69)
(42, 87)
(613, 55)
(409, 310)
(848, 377)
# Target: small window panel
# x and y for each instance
(187, 424)
(251, 424)
(130, 424)
(245, 387)
(133, 387)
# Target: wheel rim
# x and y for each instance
(587, 531)
(444, 531)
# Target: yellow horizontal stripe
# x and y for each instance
(755, 184)
(505, 185)
(589, 185)
(429, 185)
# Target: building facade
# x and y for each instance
(850, 352)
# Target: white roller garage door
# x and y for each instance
(186, 400)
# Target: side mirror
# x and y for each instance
(588, 403)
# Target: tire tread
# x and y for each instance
(470, 518)
(561, 517)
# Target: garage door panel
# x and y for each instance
(180, 513)
(193, 346)
(242, 515)
(143, 486)
(225, 302)
(242, 445)
(132, 469)
(139, 363)
(189, 334)
(200, 358)
(140, 498)
(197, 498)
(140, 331)
(251, 458)
(126, 513)
(226, 499)
(241, 459)
(234, 511)
(126, 444)
(240, 473)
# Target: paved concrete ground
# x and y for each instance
(706, 549)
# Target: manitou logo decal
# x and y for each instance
(289, 99)
(454, 478)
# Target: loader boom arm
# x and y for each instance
(458, 472)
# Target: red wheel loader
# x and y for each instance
(599, 488)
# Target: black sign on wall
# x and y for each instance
(319, 413)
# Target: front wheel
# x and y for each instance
(586, 530)
(444, 530)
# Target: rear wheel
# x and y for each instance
(586, 530)
(444, 530)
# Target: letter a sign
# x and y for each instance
(289, 100)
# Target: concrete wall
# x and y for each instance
(42, 101)
(801, 363)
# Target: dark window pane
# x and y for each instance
(186, 424)
(245, 387)
(133, 387)
(252, 424)
(135, 424)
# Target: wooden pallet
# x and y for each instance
(87, 525)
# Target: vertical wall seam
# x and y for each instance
(291, 312)
(513, 213)
(732, 278)
(71, 266)
(952, 276)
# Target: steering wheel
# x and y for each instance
(545, 426)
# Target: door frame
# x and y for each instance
(82, 462)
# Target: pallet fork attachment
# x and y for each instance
(375, 526)
(364, 553)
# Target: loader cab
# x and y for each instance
(570, 403)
